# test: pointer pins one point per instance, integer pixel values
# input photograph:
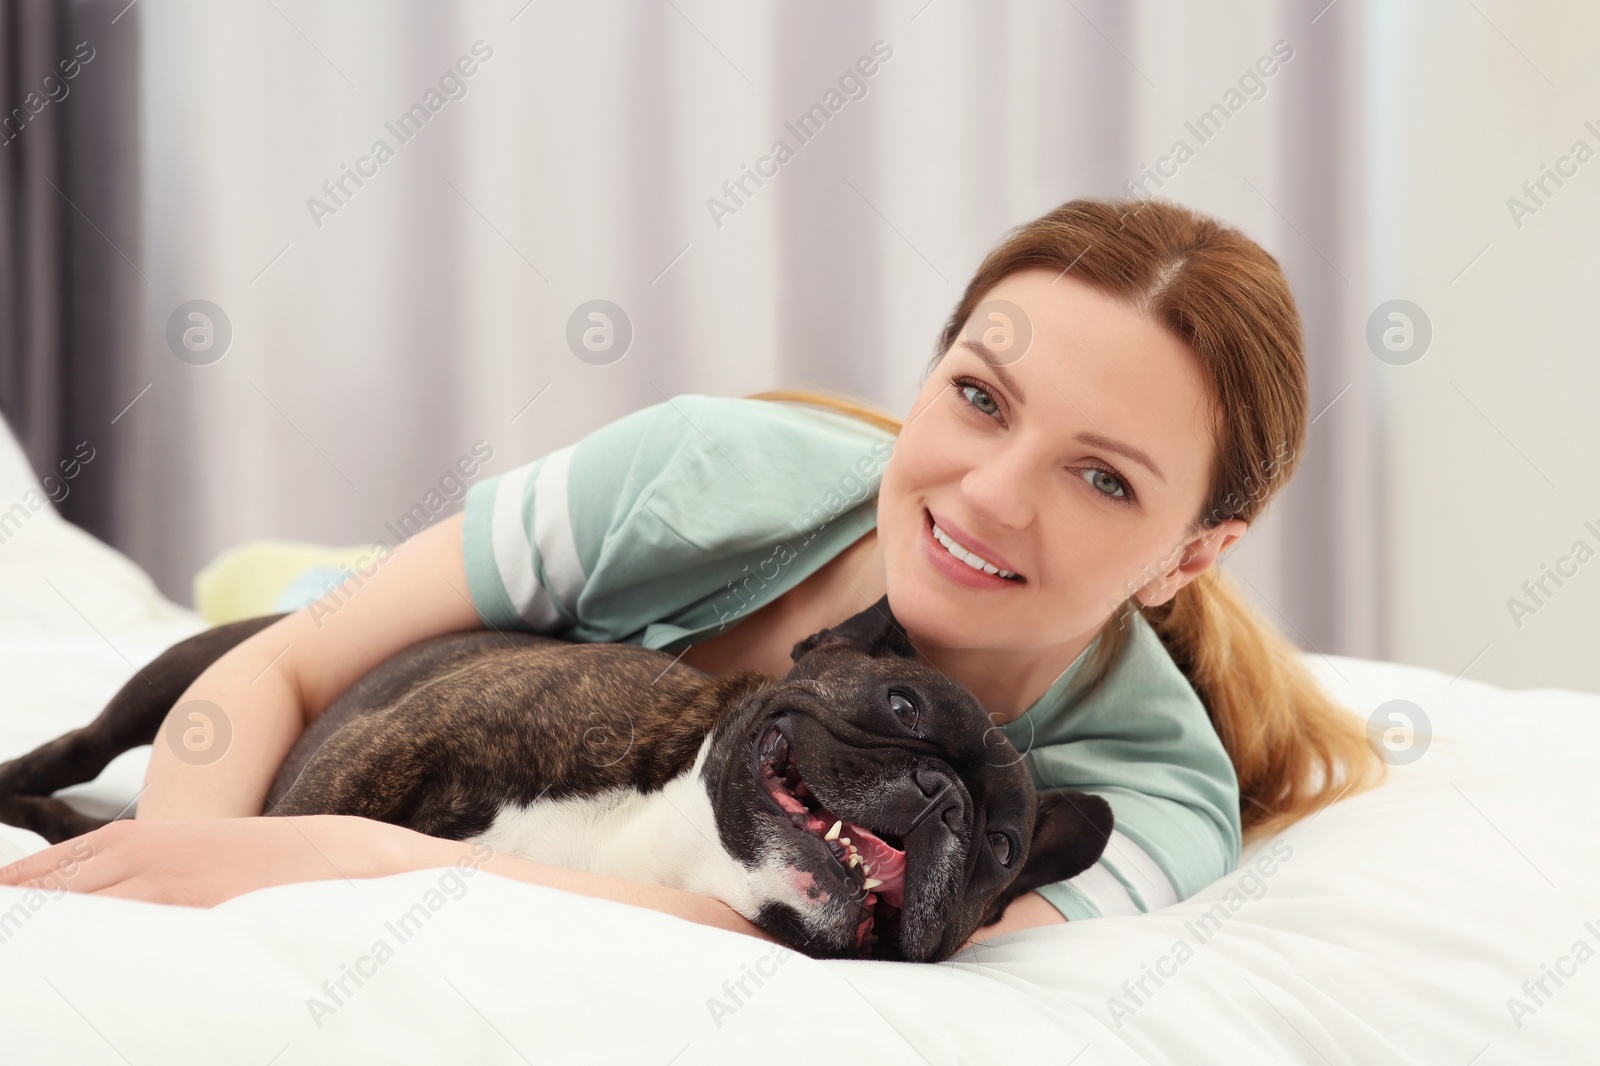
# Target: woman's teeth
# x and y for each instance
(977, 562)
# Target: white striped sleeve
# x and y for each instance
(534, 573)
(1126, 880)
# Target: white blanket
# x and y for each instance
(1398, 926)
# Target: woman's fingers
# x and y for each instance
(200, 862)
(61, 866)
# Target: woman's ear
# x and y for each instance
(873, 632)
(1195, 558)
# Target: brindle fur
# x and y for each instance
(459, 718)
(447, 734)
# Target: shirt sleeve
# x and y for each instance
(1145, 743)
(646, 523)
(531, 536)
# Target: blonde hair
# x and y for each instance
(1294, 749)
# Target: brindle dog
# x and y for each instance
(861, 806)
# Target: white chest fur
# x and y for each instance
(667, 838)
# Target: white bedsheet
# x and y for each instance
(1397, 927)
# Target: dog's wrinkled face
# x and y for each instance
(894, 818)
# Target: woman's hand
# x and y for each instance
(199, 862)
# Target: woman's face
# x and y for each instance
(1013, 470)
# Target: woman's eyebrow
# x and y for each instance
(1089, 437)
(982, 351)
(1100, 440)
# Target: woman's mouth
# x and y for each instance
(952, 558)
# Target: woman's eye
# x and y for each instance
(903, 709)
(1000, 844)
(984, 404)
(1107, 484)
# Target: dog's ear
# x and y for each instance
(1070, 833)
(874, 632)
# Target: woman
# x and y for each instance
(1118, 394)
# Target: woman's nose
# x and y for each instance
(1002, 490)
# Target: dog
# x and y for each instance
(862, 806)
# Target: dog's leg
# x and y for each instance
(132, 717)
(51, 818)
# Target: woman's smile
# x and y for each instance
(958, 569)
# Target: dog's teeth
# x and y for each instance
(833, 834)
(855, 860)
(845, 841)
(871, 883)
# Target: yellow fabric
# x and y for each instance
(246, 581)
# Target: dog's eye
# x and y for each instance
(1000, 844)
(904, 709)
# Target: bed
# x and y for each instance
(1412, 924)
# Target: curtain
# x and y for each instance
(388, 311)
(71, 290)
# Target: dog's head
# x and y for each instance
(876, 806)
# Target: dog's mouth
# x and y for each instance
(871, 865)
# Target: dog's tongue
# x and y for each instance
(886, 862)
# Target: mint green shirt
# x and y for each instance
(673, 523)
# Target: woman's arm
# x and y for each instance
(200, 862)
(1025, 912)
(276, 682)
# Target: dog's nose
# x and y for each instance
(944, 797)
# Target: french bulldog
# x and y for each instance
(863, 805)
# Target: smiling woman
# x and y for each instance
(1103, 465)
